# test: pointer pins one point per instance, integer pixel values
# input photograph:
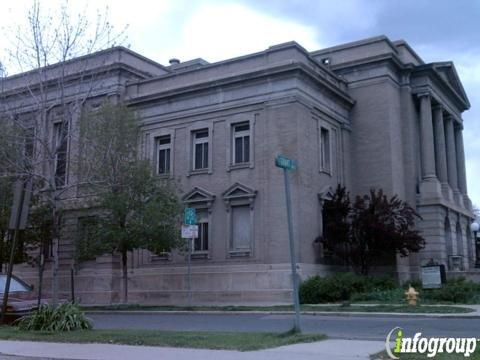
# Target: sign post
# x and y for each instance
(288, 165)
(190, 232)
(22, 191)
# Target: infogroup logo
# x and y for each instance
(430, 346)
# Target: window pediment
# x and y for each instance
(326, 194)
(238, 191)
(238, 194)
(198, 195)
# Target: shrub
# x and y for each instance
(382, 296)
(417, 284)
(66, 317)
(341, 287)
(455, 291)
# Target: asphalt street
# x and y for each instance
(337, 327)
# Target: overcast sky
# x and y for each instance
(438, 30)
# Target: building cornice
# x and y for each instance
(429, 71)
(72, 79)
(249, 75)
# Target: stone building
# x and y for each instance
(365, 114)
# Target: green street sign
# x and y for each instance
(190, 216)
(285, 163)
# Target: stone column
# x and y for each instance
(427, 144)
(451, 154)
(462, 176)
(440, 147)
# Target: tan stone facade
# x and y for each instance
(365, 114)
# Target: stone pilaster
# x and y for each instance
(427, 143)
(440, 147)
(451, 154)
(460, 152)
(430, 188)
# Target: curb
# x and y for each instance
(313, 313)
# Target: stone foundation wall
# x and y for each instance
(211, 285)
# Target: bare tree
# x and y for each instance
(41, 107)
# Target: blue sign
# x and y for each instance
(190, 216)
(285, 163)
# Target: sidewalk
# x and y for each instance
(471, 315)
(328, 350)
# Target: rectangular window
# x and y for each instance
(163, 155)
(29, 147)
(241, 228)
(241, 143)
(85, 246)
(60, 151)
(200, 149)
(201, 243)
(325, 149)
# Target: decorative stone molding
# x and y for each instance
(325, 194)
(199, 198)
(239, 194)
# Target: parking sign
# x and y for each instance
(190, 216)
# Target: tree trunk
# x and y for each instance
(41, 267)
(365, 267)
(125, 277)
(1, 251)
(55, 244)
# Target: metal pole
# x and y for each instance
(477, 249)
(189, 279)
(72, 284)
(40, 276)
(296, 300)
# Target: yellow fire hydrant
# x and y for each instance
(412, 296)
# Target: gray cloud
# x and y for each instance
(438, 30)
(438, 23)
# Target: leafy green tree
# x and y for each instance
(137, 210)
(371, 229)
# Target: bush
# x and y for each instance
(381, 296)
(351, 287)
(455, 291)
(341, 287)
(416, 284)
(66, 317)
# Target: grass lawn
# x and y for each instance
(329, 308)
(202, 340)
(384, 356)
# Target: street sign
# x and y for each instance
(189, 231)
(190, 216)
(285, 163)
(22, 193)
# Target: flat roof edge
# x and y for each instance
(354, 44)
